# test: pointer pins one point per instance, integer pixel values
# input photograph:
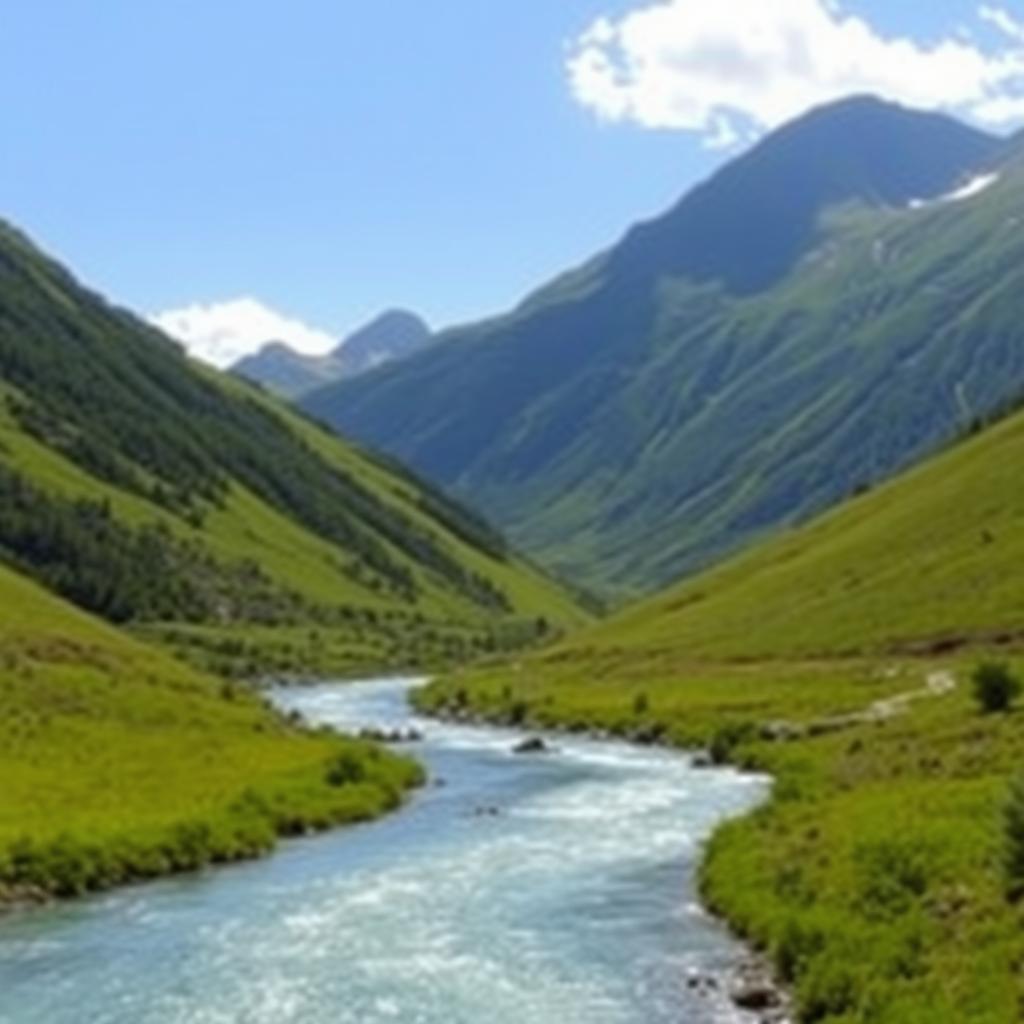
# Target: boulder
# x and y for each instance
(755, 990)
(533, 745)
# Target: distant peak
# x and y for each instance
(866, 111)
(394, 329)
(864, 102)
(400, 317)
(276, 348)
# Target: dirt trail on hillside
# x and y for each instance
(937, 684)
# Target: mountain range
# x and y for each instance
(826, 309)
(394, 335)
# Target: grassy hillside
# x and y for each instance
(876, 877)
(733, 367)
(202, 513)
(119, 763)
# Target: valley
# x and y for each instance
(750, 641)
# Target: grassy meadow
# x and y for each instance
(118, 763)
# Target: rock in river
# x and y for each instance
(533, 745)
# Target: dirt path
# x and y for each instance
(937, 684)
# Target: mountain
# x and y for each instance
(839, 658)
(287, 373)
(202, 513)
(392, 336)
(803, 324)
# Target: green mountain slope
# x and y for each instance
(119, 763)
(201, 512)
(926, 564)
(792, 331)
(876, 878)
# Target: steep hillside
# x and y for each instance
(203, 513)
(927, 564)
(119, 763)
(808, 321)
(283, 371)
(837, 656)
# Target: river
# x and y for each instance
(546, 889)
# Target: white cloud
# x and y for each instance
(1003, 20)
(222, 333)
(720, 67)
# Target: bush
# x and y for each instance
(996, 688)
(728, 738)
(347, 770)
(518, 713)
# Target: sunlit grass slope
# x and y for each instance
(875, 878)
(200, 512)
(119, 763)
(929, 562)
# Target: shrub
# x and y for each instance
(892, 875)
(996, 688)
(518, 713)
(797, 946)
(641, 704)
(347, 769)
(728, 738)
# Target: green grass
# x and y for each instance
(438, 630)
(874, 877)
(119, 763)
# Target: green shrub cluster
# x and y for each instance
(996, 688)
(129, 574)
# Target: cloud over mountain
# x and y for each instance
(221, 333)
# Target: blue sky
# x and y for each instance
(330, 158)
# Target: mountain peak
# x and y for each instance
(276, 349)
(394, 328)
(859, 104)
(750, 223)
(394, 334)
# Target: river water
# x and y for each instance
(550, 889)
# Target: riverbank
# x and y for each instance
(872, 879)
(120, 764)
(355, 783)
